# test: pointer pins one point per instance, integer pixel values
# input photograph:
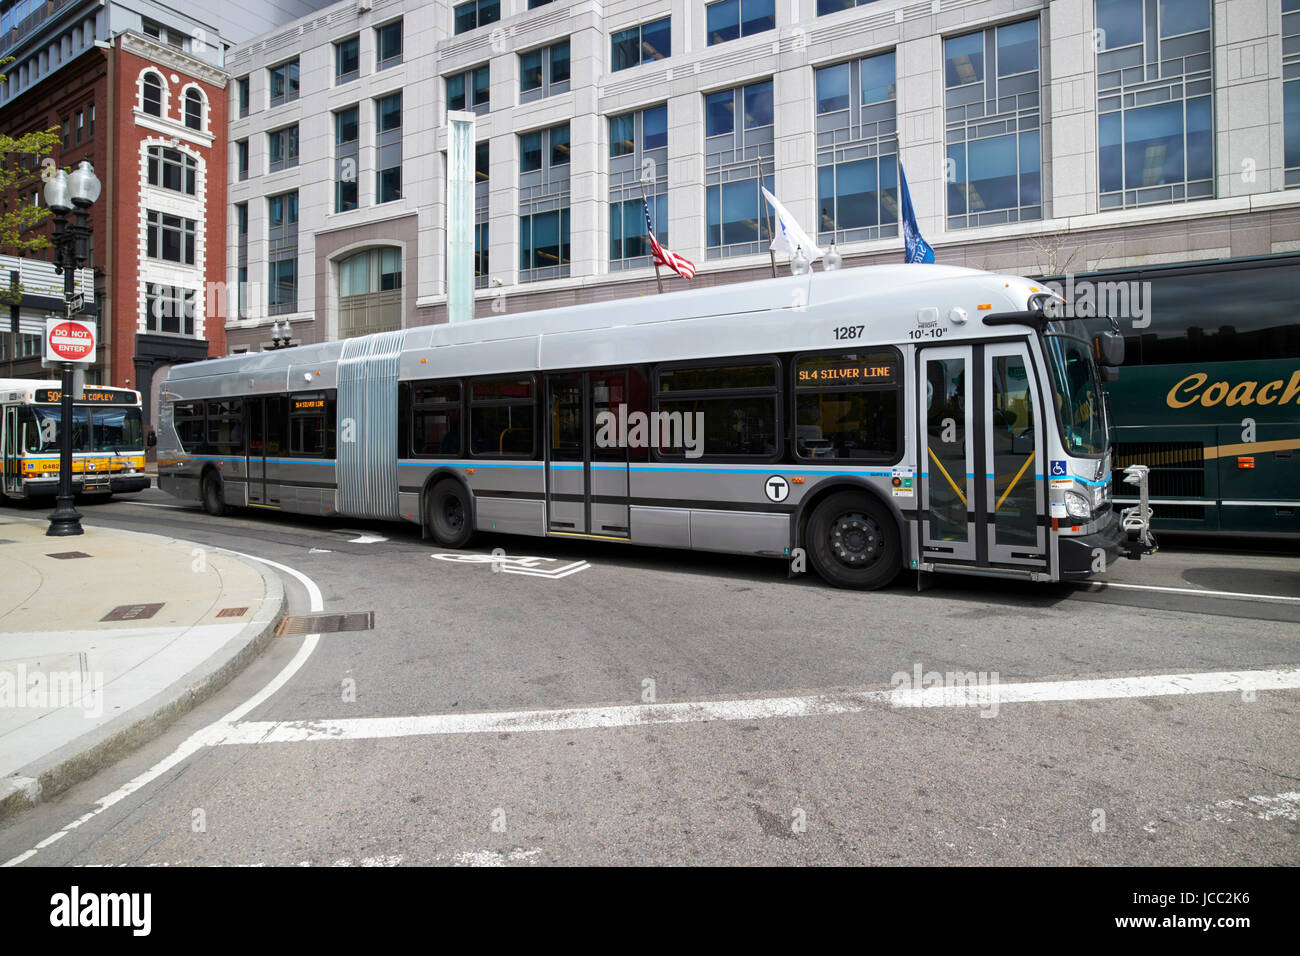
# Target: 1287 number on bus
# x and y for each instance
(848, 332)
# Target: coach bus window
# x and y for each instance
(307, 431)
(718, 411)
(846, 406)
(435, 414)
(1076, 396)
(501, 418)
(188, 419)
(117, 429)
(226, 427)
(42, 429)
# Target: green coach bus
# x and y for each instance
(1209, 393)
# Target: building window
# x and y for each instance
(92, 119)
(388, 152)
(370, 292)
(1291, 91)
(481, 196)
(152, 94)
(194, 109)
(992, 131)
(169, 309)
(544, 72)
(640, 44)
(347, 59)
(173, 38)
(476, 13)
(282, 253)
(65, 133)
(79, 127)
(241, 261)
(172, 169)
(282, 148)
(738, 18)
(544, 204)
(347, 124)
(242, 88)
(1155, 131)
(469, 90)
(738, 157)
(638, 159)
(857, 161)
(241, 158)
(284, 83)
(835, 6)
(170, 238)
(388, 45)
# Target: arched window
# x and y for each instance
(370, 292)
(194, 109)
(153, 97)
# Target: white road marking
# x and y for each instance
(365, 536)
(495, 857)
(1283, 806)
(213, 732)
(634, 715)
(159, 504)
(1202, 592)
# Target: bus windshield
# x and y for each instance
(1077, 396)
(93, 429)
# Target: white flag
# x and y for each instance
(790, 237)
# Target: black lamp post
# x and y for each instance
(66, 193)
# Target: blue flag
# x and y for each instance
(918, 250)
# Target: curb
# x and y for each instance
(81, 759)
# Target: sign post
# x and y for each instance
(69, 344)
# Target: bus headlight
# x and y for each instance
(1076, 505)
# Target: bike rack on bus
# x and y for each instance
(1136, 521)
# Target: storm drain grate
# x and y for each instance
(66, 555)
(132, 612)
(326, 623)
(232, 612)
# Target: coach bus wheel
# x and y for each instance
(214, 501)
(446, 512)
(853, 542)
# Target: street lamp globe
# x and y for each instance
(83, 184)
(57, 195)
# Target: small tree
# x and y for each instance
(21, 157)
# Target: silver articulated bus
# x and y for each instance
(878, 418)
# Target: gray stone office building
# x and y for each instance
(1037, 136)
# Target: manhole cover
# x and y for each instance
(132, 612)
(232, 612)
(327, 623)
(65, 555)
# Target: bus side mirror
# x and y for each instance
(1109, 348)
(152, 438)
(1108, 373)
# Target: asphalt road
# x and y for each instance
(794, 754)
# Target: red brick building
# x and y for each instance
(152, 121)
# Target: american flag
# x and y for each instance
(662, 257)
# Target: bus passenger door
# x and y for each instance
(255, 428)
(1013, 506)
(947, 504)
(607, 454)
(12, 463)
(566, 469)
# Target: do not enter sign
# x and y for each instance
(69, 341)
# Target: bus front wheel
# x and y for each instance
(853, 542)
(214, 499)
(447, 514)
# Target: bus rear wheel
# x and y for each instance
(447, 514)
(214, 499)
(853, 542)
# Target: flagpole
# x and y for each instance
(658, 281)
(768, 207)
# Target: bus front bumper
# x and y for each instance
(97, 485)
(1082, 555)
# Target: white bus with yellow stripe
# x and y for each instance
(107, 434)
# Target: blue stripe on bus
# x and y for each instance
(269, 461)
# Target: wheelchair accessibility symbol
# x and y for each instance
(1059, 469)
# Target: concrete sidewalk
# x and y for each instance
(107, 637)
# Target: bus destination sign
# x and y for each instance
(860, 372)
(92, 396)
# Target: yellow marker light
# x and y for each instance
(986, 305)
